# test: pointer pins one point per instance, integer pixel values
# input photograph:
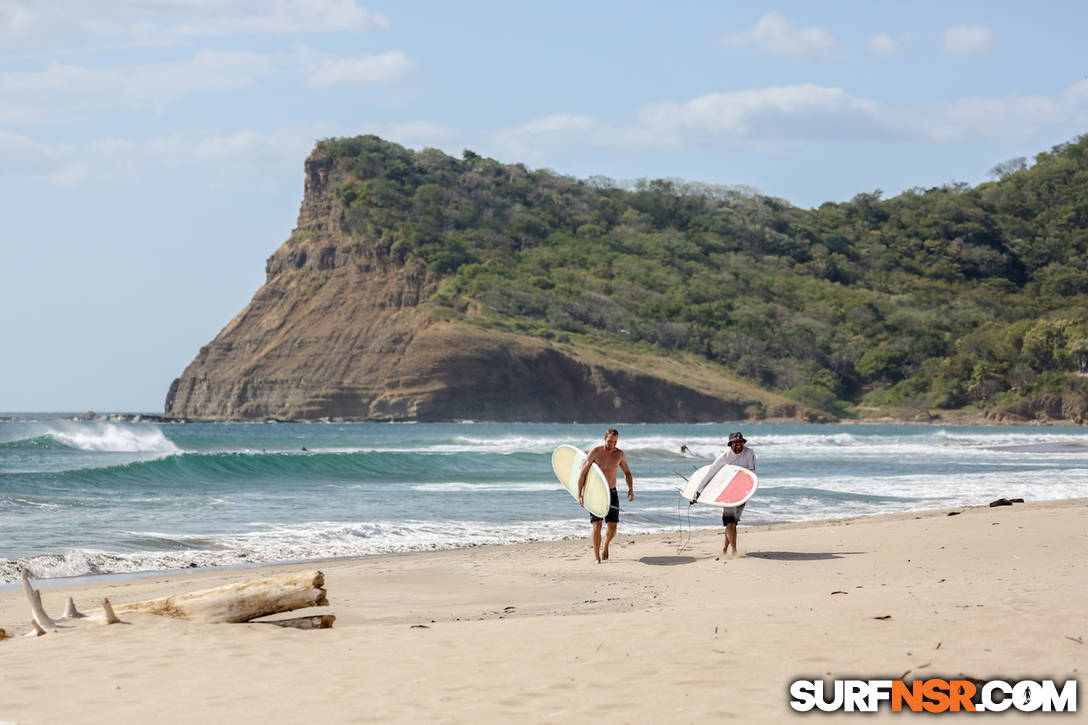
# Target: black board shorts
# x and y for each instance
(613, 515)
(732, 515)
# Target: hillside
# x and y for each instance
(344, 329)
(422, 286)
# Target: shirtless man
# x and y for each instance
(609, 458)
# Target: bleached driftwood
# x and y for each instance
(41, 619)
(110, 617)
(238, 602)
(70, 611)
(316, 621)
(232, 603)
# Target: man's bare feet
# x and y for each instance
(604, 554)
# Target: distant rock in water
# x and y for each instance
(340, 330)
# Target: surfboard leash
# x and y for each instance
(685, 535)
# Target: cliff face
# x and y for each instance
(1068, 406)
(339, 331)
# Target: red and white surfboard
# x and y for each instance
(730, 486)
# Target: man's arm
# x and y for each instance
(590, 460)
(628, 476)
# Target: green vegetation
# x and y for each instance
(951, 297)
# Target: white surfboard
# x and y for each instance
(567, 463)
(731, 486)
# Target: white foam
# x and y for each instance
(306, 541)
(111, 437)
(965, 487)
(325, 539)
(35, 504)
(641, 484)
(506, 444)
(463, 486)
(911, 443)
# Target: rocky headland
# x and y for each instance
(341, 330)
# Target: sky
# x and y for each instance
(151, 151)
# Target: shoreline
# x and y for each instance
(122, 576)
(540, 632)
(241, 571)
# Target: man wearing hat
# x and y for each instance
(737, 455)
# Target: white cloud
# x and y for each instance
(996, 118)
(532, 140)
(784, 113)
(153, 22)
(281, 17)
(14, 19)
(70, 175)
(1078, 92)
(244, 150)
(386, 68)
(62, 93)
(559, 123)
(776, 117)
(787, 117)
(969, 40)
(775, 35)
(245, 156)
(887, 46)
(21, 155)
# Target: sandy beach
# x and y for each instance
(540, 633)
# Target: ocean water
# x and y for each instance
(82, 498)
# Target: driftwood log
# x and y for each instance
(109, 617)
(232, 603)
(238, 602)
(70, 611)
(314, 621)
(41, 620)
